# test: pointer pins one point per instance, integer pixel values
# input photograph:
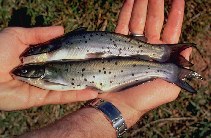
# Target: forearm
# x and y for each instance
(86, 122)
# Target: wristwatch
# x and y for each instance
(112, 114)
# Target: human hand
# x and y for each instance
(147, 16)
(15, 94)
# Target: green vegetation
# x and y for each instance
(188, 116)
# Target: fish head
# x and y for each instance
(28, 71)
(45, 47)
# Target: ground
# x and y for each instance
(188, 116)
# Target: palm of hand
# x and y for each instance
(19, 95)
(147, 17)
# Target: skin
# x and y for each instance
(13, 41)
(132, 103)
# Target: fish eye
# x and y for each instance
(31, 50)
(24, 71)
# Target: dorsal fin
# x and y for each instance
(80, 29)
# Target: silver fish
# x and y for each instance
(81, 44)
(105, 75)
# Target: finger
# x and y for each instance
(38, 34)
(138, 17)
(154, 21)
(124, 17)
(172, 30)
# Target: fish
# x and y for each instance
(81, 44)
(102, 75)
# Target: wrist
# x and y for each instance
(129, 114)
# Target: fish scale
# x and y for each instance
(105, 75)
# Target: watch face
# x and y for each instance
(110, 110)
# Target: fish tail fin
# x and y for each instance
(187, 74)
(176, 49)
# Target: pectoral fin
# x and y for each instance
(56, 82)
(95, 55)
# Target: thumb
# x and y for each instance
(37, 34)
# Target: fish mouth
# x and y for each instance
(26, 52)
(14, 72)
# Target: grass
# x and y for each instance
(188, 116)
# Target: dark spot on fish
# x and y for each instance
(101, 34)
(147, 72)
(93, 82)
(93, 76)
(140, 46)
(121, 70)
(91, 35)
(99, 70)
(132, 74)
(84, 36)
(114, 76)
(103, 68)
(78, 85)
(85, 41)
(87, 51)
(116, 63)
(141, 50)
(111, 81)
(158, 71)
(96, 33)
(83, 69)
(125, 41)
(109, 72)
(148, 67)
(153, 54)
(109, 60)
(82, 75)
(115, 45)
(78, 72)
(134, 65)
(85, 79)
(104, 72)
(72, 83)
(110, 39)
(73, 87)
(120, 49)
(73, 79)
(101, 84)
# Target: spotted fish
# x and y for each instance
(81, 44)
(105, 75)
